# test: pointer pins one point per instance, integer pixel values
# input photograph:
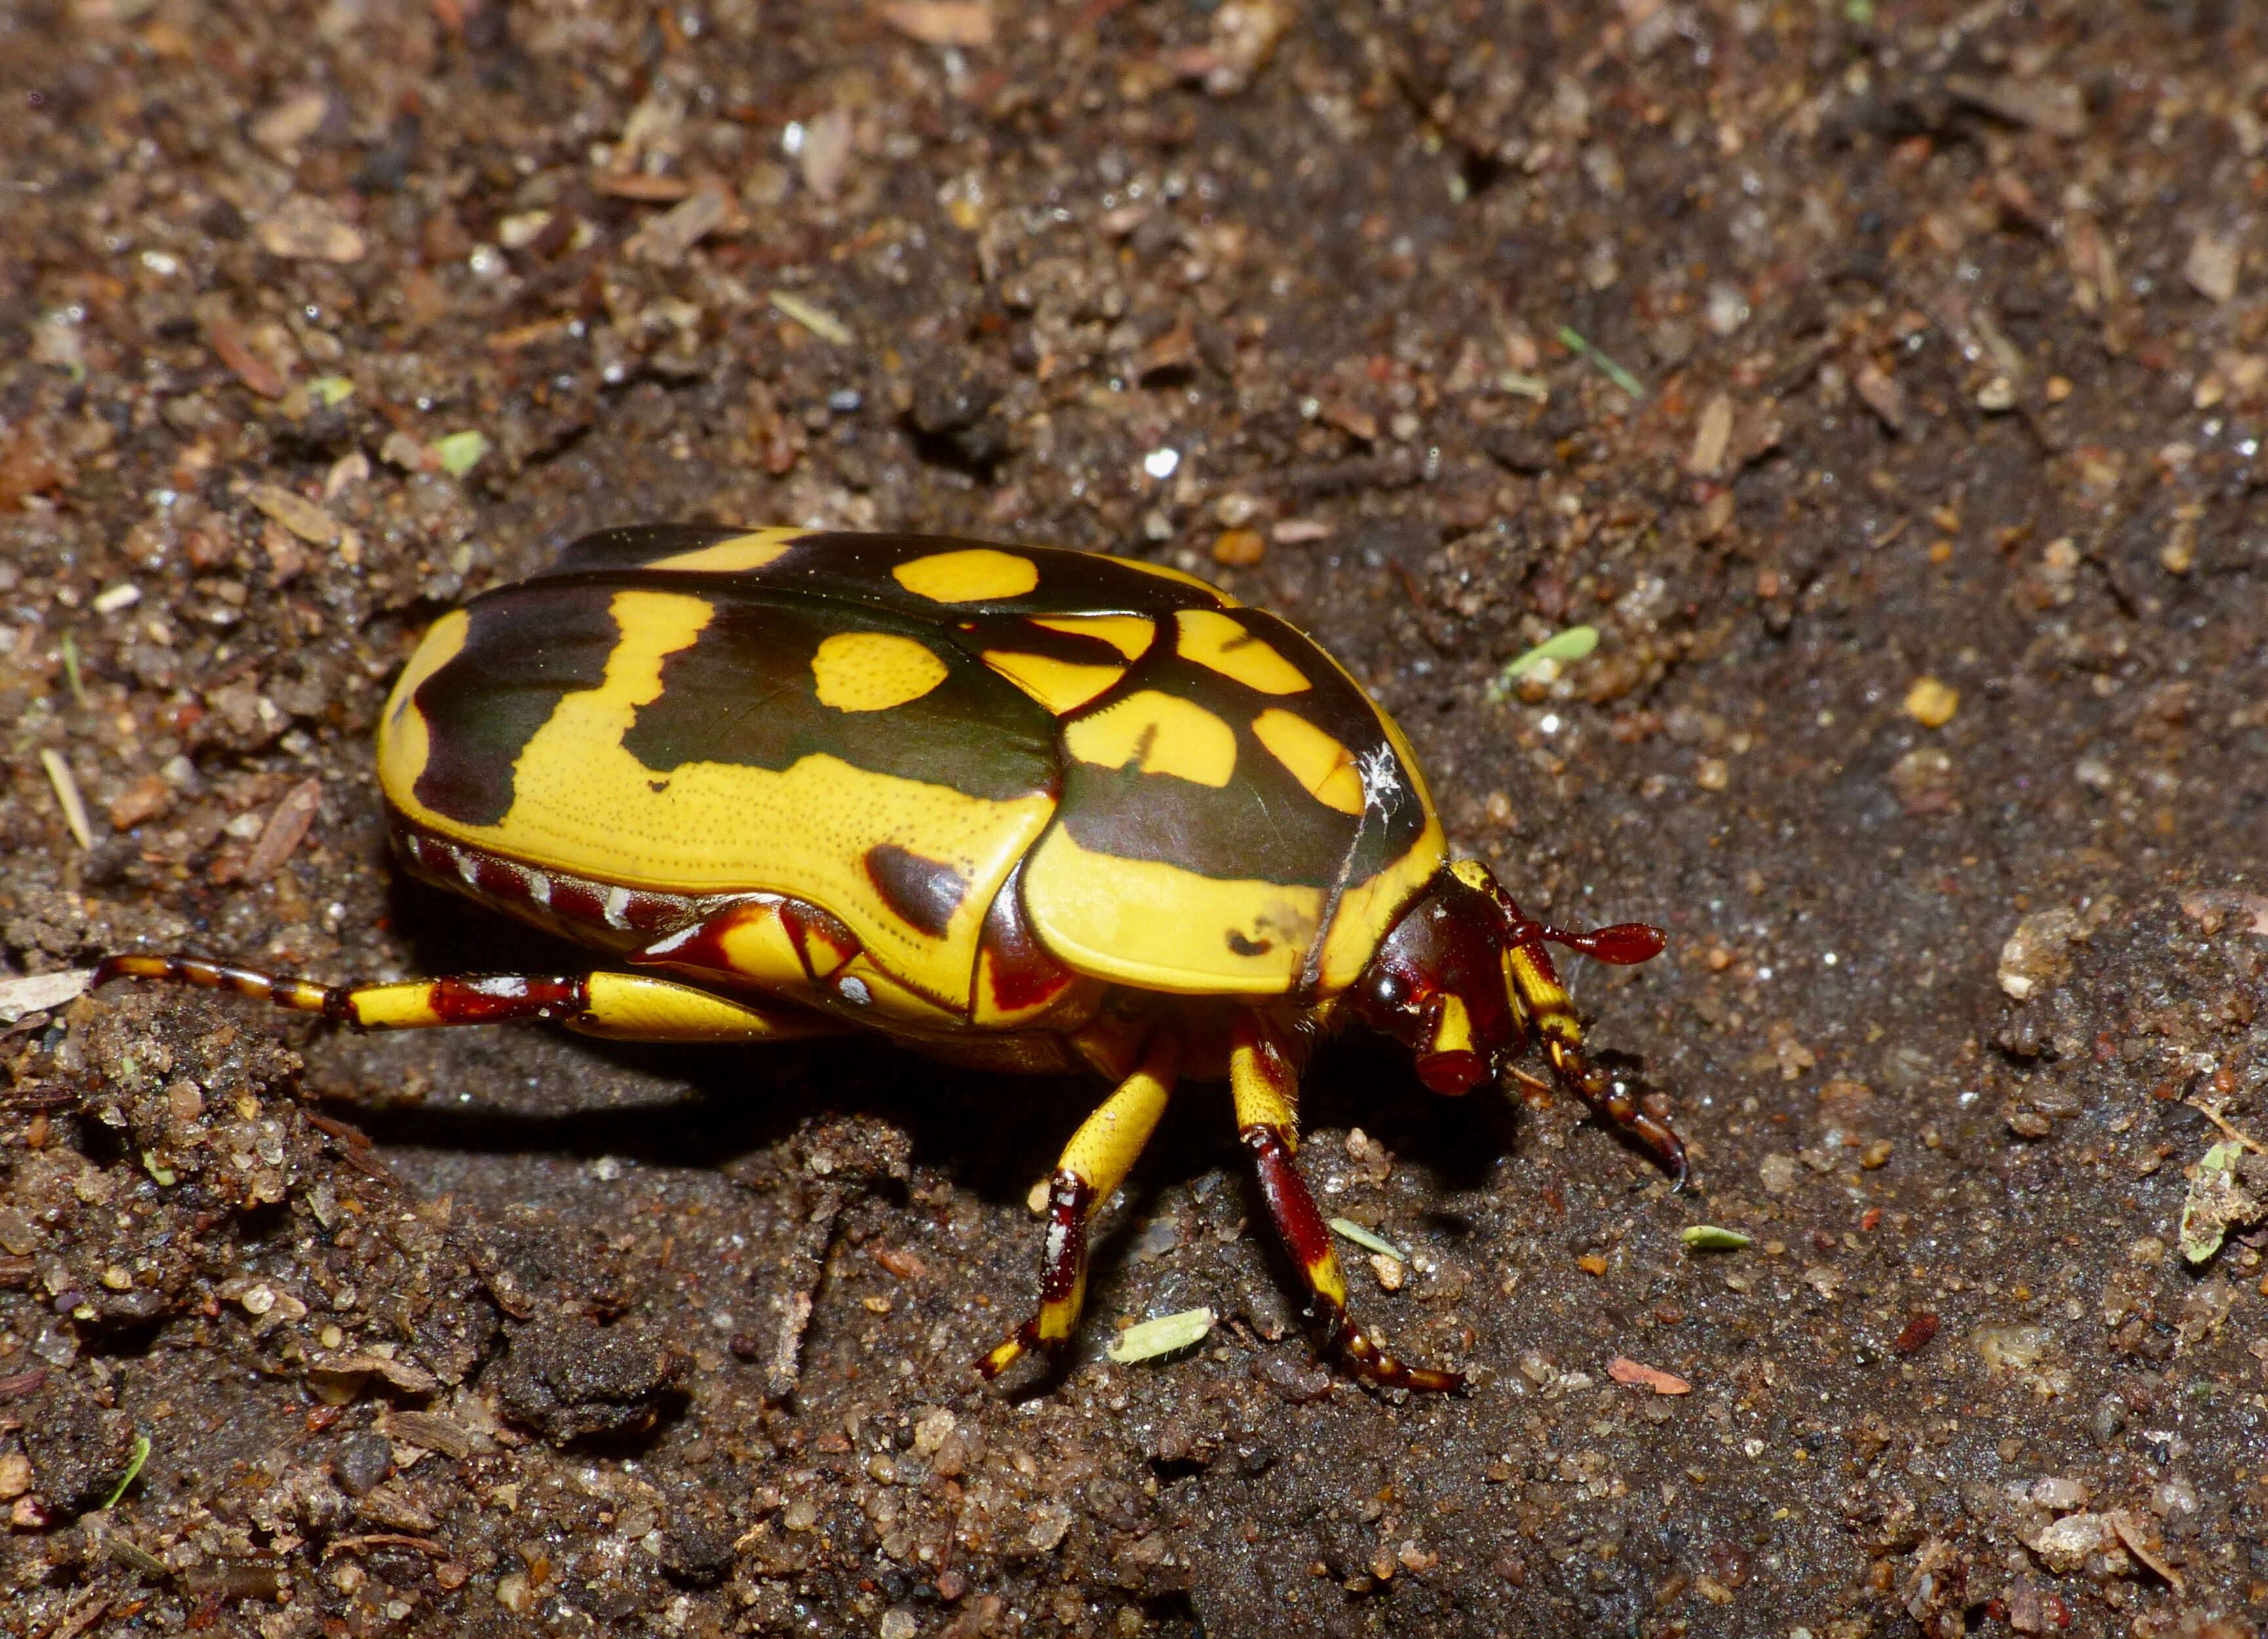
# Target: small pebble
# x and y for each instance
(1389, 1271)
(361, 1463)
(1931, 704)
(1239, 548)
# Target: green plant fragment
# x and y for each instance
(1167, 1334)
(1369, 1242)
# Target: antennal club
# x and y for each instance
(1624, 944)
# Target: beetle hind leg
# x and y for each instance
(1093, 1165)
(1266, 1090)
(626, 1007)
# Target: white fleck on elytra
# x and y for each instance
(1382, 780)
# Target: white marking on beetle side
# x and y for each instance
(661, 946)
(618, 904)
(468, 866)
(503, 987)
(539, 887)
(854, 990)
(1382, 780)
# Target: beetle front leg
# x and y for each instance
(1545, 1000)
(625, 1007)
(1267, 1089)
(1093, 1165)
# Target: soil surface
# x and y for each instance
(1881, 381)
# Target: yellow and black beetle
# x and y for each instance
(1026, 808)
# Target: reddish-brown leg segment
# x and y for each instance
(1266, 1090)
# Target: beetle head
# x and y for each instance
(1461, 976)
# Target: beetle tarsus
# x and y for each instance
(1612, 1103)
(1374, 1366)
(1305, 1235)
(299, 996)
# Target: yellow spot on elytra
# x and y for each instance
(1323, 1275)
(1060, 686)
(872, 671)
(1164, 732)
(1318, 762)
(736, 555)
(1225, 645)
(1130, 634)
(974, 575)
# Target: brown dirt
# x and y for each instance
(1943, 328)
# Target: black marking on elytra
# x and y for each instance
(856, 568)
(743, 693)
(923, 893)
(1025, 636)
(1264, 824)
(633, 547)
(845, 564)
(527, 648)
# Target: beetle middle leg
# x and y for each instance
(626, 1007)
(1093, 1164)
(1266, 1090)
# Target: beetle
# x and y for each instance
(1025, 808)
